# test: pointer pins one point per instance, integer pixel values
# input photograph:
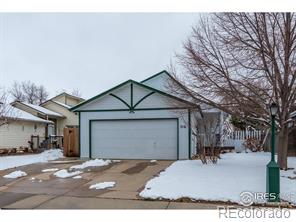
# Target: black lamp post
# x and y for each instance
(273, 170)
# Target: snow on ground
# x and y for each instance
(103, 185)
(65, 174)
(15, 174)
(224, 181)
(92, 163)
(77, 177)
(153, 161)
(7, 162)
(50, 170)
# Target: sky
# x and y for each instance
(89, 51)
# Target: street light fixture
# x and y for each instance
(272, 168)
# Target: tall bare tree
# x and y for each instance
(239, 63)
(17, 91)
(41, 94)
(76, 92)
(28, 91)
(5, 109)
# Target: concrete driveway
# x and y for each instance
(49, 192)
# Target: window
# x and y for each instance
(35, 127)
(23, 128)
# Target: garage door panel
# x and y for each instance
(135, 139)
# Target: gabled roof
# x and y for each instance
(58, 103)
(61, 94)
(61, 104)
(163, 72)
(18, 114)
(67, 95)
(38, 109)
(136, 83)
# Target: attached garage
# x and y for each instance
(135, 121)
(135, 138)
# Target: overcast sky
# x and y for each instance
(92, 52)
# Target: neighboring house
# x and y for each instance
(136, 121)
(61, 104)
(292, 136)
(56, 110)
(18, 128)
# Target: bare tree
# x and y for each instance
(5, 109)
(76, 92)
(41, 94)
(239, 63)
(17, 91)
(29, 92)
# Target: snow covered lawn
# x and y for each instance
(224, 181)
(7, 162)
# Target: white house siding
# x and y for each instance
(18, 133)
(159, 82)
(145, 114)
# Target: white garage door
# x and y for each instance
(134, 139)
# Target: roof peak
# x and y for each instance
(157, 74)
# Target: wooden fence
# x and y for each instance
(71, 142)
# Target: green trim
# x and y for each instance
(178, 139)
(89, 138)
(140, 109)
(79, 136)
(166, 94)
(98, 120)
(117, 97)
(98, 96)
(132, 96)
(155, 75)
(139, 84)
(149, 94)
(189, 133)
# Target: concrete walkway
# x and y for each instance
(69, 202)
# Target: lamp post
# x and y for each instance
(272, 168)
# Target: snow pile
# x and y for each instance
(66, 174)
(153, 161)
(7, 162)
(233, 174)
(50, 170)
(15, 174)
(92, 163)
(104, 185)
(77, 177)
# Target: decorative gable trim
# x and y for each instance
(130, 105)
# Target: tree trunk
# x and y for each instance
(282, 148)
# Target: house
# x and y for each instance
(292, 136)
(18, 126)
(56, 110)
(136, 120)
(61, 104)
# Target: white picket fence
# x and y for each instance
(237, 138)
